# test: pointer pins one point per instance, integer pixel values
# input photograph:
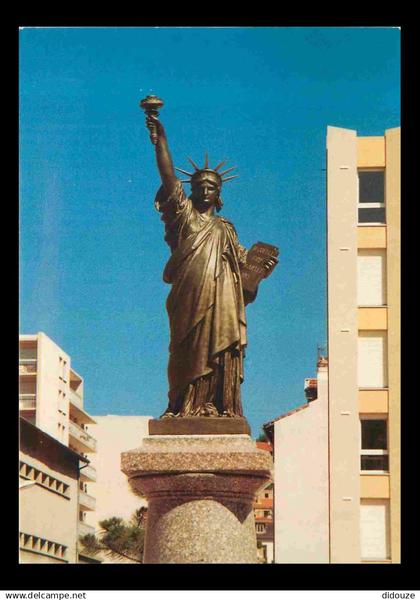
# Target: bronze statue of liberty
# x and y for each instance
(206, 304)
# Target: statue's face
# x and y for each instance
(205, 192)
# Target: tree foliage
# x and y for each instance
(118, 539)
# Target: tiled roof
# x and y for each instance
(264, 446)
(287, 414)
(264, 503)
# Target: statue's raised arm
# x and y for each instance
(159, 140)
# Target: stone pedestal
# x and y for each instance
(200, 490)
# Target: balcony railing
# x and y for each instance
(27, 401)
(86, 502)
(82, 437)
(88, 473)
(27, 366)
(85, 529)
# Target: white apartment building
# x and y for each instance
(51, 399)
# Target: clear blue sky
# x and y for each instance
(92, 248)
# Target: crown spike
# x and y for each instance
(227, 171)
(206, 164)
(193, 164)
(220, 164)
(229, 178)
(182, 171)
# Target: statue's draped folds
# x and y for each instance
(205, 307)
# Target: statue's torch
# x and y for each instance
(151, 106)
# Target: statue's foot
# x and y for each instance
(207, 410)
(168, 414)
(228, 413)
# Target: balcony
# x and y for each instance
(81, 440)
(27, 401)
(27, 366)
(85, 529)
(77, 412)
(86, 502)
(75, 398)
(88, 473)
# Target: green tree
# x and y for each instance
(119, 539)
(262, 437)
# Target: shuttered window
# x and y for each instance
(371, 277)
(372, 359)
(374, 529)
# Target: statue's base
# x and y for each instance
(200, 491)
(199, 426)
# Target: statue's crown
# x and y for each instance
(206, 170)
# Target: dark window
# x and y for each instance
(374, 450)
(374, 435)
(372, 215)
(371, 197)
(374, 463)
(371, 186)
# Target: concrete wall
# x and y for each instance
(48, 385)
(342, 215)
(48, 515)
(114, 498)
(393, 204)
(301, 480)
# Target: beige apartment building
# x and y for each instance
(51, 401)
(363, 214)
(337, 458)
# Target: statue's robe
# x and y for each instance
(205, 307)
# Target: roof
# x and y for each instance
(287, 414)
(264, 520)
(264, 446)
(264, 503)
(27, 427)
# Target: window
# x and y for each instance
(374, 444)
(372, 359)
(371, 278)
(260, 527)
(374, 529)
(372, 196)
(62, 368)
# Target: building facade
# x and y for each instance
(51, 400)
(264, 516)
(300, 440)
(337, 458)
(363, 216)
(48, 486)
